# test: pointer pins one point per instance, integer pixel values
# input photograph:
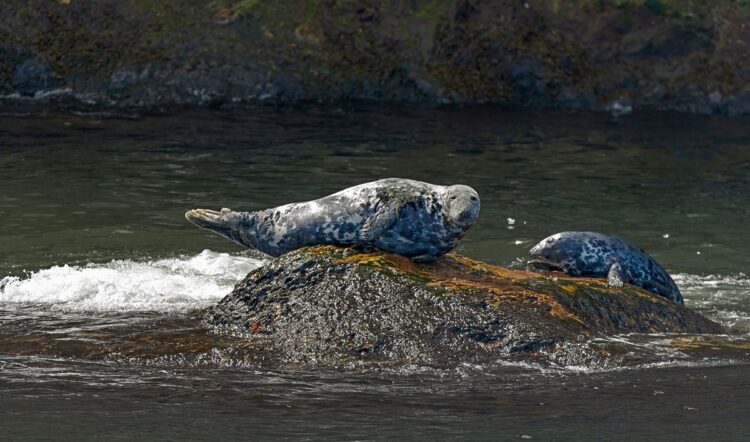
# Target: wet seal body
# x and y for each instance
(600, 255)
(415, 219)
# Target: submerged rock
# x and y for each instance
(334, 306)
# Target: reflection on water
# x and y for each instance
(96, 255)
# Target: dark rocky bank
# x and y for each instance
(337, 307)
(614, 55)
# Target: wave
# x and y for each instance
(172, 284)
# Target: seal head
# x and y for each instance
(461, 206)
(604, 256)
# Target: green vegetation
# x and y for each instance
(582, 53)
(433, 10)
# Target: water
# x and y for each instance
(97, 263)
(172, 284)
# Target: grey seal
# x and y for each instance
(419, 220)
(600, 255)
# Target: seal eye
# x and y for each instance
(473, 198)
(453, 198)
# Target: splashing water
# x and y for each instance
(173, 284)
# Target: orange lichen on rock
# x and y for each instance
(380, 260)
(456, 272)
(573, 299)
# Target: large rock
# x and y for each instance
(332, 306)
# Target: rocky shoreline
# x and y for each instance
(605, 55)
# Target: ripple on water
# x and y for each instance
(725, 298)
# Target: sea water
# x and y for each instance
(94, 249)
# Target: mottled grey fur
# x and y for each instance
(415, 219)
(599, 255)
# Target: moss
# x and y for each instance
(655, 6)
(433, 10)
(569, 289)
(456, 272)
(245, 6)
(383, 261)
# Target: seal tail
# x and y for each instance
(207, 219)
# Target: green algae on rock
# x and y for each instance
(332, 306)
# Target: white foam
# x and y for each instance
(173, 284)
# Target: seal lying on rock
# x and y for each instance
(415, 219)
(599, 255)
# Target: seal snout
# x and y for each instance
(468, 215)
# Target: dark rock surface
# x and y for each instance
(334, 307)
(584, 54)
(33, 76)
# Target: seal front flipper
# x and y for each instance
(617, 275)
(377, 223)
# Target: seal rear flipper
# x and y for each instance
(207, 219)
(617, 276)
(224, 222)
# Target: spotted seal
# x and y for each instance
(600, 255)
(419, 220)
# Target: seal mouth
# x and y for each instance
(539, 263)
